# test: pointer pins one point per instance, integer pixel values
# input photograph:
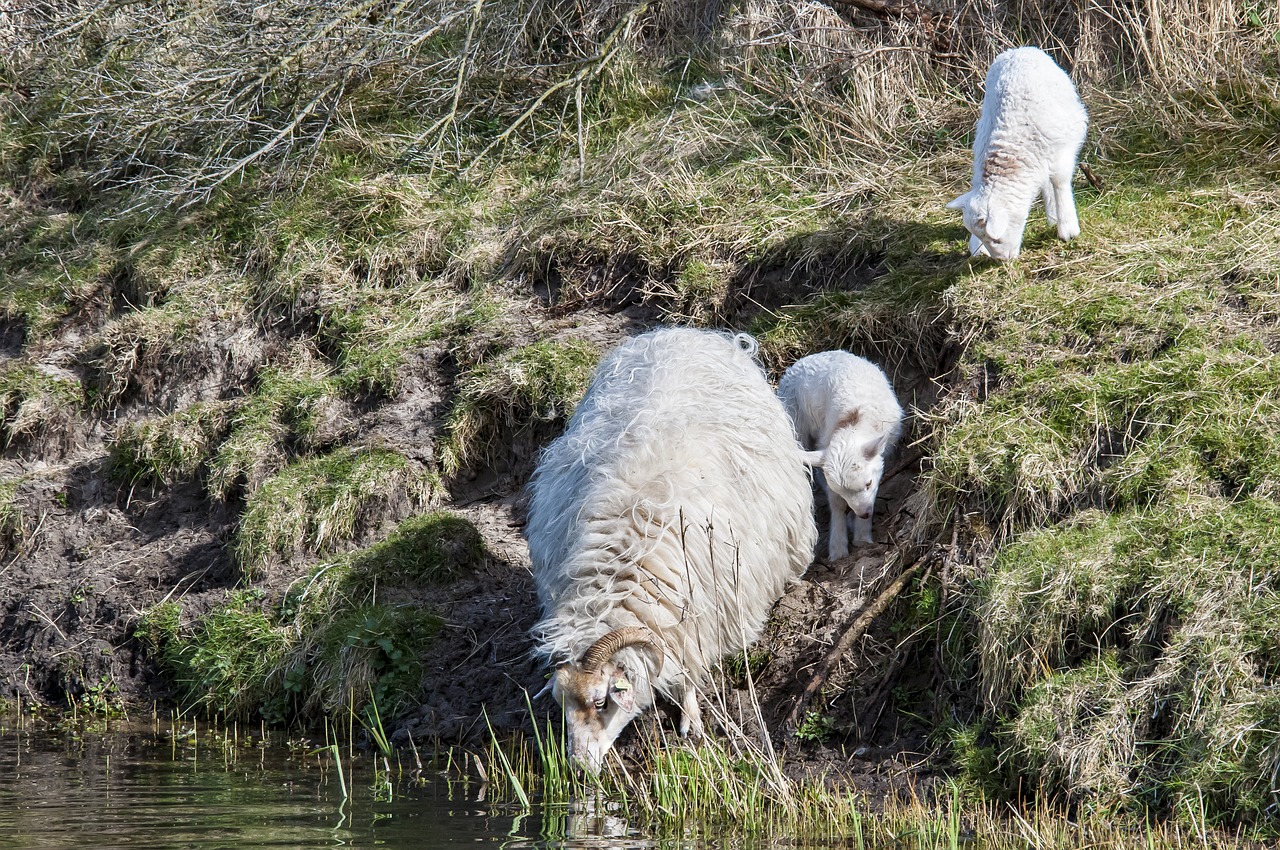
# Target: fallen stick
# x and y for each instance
(853, 631)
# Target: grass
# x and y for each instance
(36, 402)
(316, 504)
(167, 449)
(1120, 453)
(359, 224)
(719, 788)
(498, 400)
(342, 640)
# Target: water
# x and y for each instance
(152, 788)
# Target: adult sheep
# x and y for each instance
(1028, 136)
(662, 527)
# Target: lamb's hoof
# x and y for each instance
(1066, 234)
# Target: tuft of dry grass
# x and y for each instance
(501, 399)
(317, 504)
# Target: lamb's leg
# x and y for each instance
(862, 529)
(1050, 201)
(838, 542)
(691, 715)
(1068, 224)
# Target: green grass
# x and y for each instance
(332, 644)
(229, 660)
(167, 449)
(497, 399)
(316, 504)
(288, 406)
(12, 521)
(1136, 651)
(1118, 459)
(36, 401)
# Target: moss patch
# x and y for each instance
(346, 636)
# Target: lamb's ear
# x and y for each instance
(997, 223)
(874, 447)
(811, 458)
(959, 203)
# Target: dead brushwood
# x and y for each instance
(855, 629)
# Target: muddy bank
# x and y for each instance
(90, 553)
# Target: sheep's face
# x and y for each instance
(852, 466)
(597, 707)
(994, 234)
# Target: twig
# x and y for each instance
(856, 629)
(1094, 181)
(875, 705)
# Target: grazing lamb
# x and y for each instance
(663, 525)
(1030, 131)
(844, 410)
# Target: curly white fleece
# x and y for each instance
(676, 499)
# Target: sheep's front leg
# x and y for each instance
(690, 715)
(1050, 201)
(862, 529)
(1068, 224)
(838, 540)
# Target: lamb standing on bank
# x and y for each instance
(663, 525)
(848, 416)
(1028, 136)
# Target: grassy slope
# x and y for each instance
(1106, 447)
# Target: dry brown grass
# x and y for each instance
(176, 100)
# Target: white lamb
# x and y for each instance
(1026, 143)
(848, 416)
(663, 525)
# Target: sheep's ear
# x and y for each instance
(622, 693)
(959, 203)
(812, 458)
(997, 224)
(873, 448)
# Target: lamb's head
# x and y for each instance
(852, 464)
(600, 697)
(995, 233)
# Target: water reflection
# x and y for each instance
(155, 788)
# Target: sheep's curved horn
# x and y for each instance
(609, 645)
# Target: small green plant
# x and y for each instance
(100, 700)
(815, 728)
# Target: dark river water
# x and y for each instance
(153, 788)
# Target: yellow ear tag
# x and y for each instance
(621, 685)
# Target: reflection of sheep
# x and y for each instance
(662, 527)
(844, 408)
(1030, 131)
